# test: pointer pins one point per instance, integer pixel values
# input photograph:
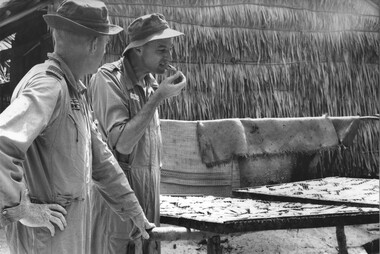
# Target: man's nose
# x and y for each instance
(168, 55)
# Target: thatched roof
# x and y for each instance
(14, 14)
(273, 58)
(262, 58)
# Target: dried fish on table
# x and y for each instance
(218, 207)
(332, 190)
(248, 214)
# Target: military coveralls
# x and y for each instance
(116, 97)
(49, 144)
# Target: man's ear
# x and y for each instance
(138, 50)
(93, 45)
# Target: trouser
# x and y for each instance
(110, 234)
(146, 185)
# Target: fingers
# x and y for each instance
(51, 228)
(171, 79)
(139, 229)
(57, 222)
(135, 233)
(179, 78)
(144, 234)
(183, 79)
(140, 232)
(55, 217)
(147, 228)
(42, 215)
(60, 217)
(150, 226)
(57, 208)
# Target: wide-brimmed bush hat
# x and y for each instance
(82, 17)
(148, 28)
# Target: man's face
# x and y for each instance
(156, 55)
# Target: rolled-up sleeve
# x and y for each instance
(20, 123)
(111, 180)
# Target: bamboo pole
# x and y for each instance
(171, 233)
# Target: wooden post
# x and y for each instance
(341, 238)
(213, 245)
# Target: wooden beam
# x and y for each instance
(24, 13)
(177, 233)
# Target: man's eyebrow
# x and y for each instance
(163, 46)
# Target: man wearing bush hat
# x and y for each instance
(50, 148)
(125, 96)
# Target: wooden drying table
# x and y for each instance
(210, 216)
(356, 192)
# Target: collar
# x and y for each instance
(131, 79)
(76, 84)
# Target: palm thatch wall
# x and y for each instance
(274, 58)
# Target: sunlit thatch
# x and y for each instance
(273, 58)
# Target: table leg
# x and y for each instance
(213, 245)
(341, 238)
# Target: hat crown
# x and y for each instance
(88, 17)
(89, 13)
(147, 25)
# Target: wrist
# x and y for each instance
(12, 214)
(138, 216)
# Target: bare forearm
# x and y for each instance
(135, 127)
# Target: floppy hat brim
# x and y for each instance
(58, 22)
(164, 34)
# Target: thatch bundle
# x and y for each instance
(273, 58)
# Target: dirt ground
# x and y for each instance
(303, 241)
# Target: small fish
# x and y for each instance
(171, 67)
